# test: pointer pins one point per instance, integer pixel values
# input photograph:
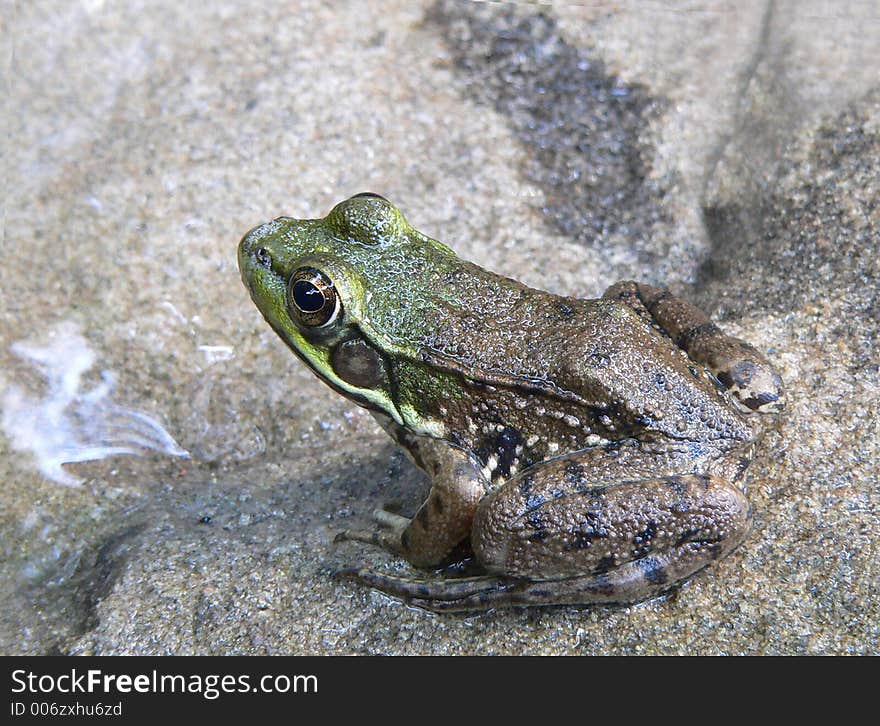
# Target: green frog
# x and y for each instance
(582, 451)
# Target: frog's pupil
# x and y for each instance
(307, 297)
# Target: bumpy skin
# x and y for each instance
(587, 451)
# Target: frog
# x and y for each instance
(580, 451)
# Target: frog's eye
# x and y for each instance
(312, 299)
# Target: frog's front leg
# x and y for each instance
(592, 527)
(747, 374)
(444, 519)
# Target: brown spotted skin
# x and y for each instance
(615, 523)
(446, 516)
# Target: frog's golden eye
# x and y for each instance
(312, 299)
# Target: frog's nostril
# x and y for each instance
(253, 246)
(263, 256)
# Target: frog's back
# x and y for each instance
(644, 378)
(597, 354)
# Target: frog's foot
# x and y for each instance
(747, 374)
(432, 593)
(630, 583)
(387, 535)
(424, 540)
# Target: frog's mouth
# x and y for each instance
(317, 357)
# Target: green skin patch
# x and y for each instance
(346, 246)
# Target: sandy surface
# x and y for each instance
(728, 150)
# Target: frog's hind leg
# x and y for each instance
(620, 540)
(746, 373)
(564, 542)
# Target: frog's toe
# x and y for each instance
(741, 369)
(391, 520)
(388, 534)
(356, 535)
(388, 540)
(435, 593)
(488, 592)
(753, 384)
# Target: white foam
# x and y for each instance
(69, 425)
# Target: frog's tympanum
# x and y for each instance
(581, 451)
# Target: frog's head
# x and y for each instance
(344, 293)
